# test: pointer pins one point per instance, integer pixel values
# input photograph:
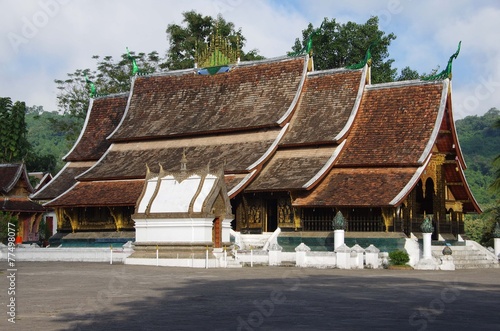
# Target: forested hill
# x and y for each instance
(480, 143)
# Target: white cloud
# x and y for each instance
(66, 33)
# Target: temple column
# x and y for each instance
(411, 213)
(439, 191)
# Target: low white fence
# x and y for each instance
(66, 254)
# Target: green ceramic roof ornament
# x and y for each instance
(135, 68)
(446, 73)
(426, 225)
(366, 60)
(339, 222)
(496, 231)
(92, 89)
(309, 45)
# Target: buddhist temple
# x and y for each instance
(294, 146)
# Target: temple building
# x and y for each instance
(294, 146)
(15, 189)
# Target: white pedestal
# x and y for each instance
(357, 257)
(447, 263)
(427, 246)
(275, 255)
(343, 256)
(371, 256)
(338, 237)
(427, 262)
(300, 255)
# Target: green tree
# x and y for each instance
(495, 186)
(338, 45)
(5, 219)
(111, 76)
(47, 136)
(479, 141)
(14, 146)
(114, 76)
(184, 40)
(408, 74)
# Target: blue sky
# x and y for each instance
(43, 40)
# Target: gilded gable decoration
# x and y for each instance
(431, 171)
(217, 54)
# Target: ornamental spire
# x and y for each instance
(366, 60)
(446, 73)
(135, 68)
(218, 53)
(92, 89)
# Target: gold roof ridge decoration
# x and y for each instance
(218, 52)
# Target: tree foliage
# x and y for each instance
(479, 141)
(338, 45)
(184, 41)
(408, 74)
(5, 219)
(495, 186)
(114, 76)
(48, 144)
(110, 76)
(14, 146)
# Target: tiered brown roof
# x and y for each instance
(392, 136)
(357, 187)
(15, 188)
(101, 193)
(236, 152)
(232, 120)
(272, 127)
(247, 97)
(10, 175)
(103, 116)
(394, 125)
(64, 180)
(327, 101)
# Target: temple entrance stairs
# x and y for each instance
(254, 241)
(469, 256)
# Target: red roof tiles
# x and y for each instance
(102, 118)
(394, 125)
(62, 181)
(326, 103)
(249, 96)
(100, 193)
(357, 187)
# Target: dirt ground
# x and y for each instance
(99, 296)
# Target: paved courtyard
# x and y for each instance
(92, 296)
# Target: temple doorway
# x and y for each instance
(272, 215)
(217, 233)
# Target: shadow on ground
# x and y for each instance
(287, 299)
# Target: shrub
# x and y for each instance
(399, 257)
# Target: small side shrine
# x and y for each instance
(15, 188)
(182, 215)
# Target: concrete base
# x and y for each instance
(172, 251)
(427, 264)
(447, 263)
(189, 263)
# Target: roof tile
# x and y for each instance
(103, 117)
(248, 96)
